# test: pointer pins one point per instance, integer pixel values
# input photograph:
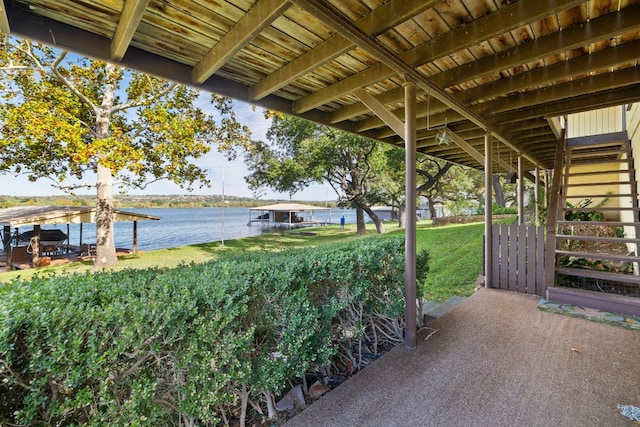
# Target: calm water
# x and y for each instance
(178, 227)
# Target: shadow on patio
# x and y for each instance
(496, 360)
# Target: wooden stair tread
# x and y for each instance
(585, 154)
(601, 172)
(597, 184)
(599, 256)
(595, 160)
(595, 196)
(601, 208)
(598, 238)
(601, 275)
(605, 223)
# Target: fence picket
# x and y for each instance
(504, 257)
(540, 290)
(518, 258)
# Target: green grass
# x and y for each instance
(455, 259)
(455, 254)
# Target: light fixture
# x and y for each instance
(443, 137)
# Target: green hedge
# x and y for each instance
(195, 345)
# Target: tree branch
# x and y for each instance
(69, 85)
(126, 106)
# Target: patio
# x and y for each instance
(496, 360)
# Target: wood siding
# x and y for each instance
(597, 122)
(518, 258)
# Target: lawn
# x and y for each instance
(455, 253)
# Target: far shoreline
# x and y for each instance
(155, 201)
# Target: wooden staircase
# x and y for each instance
(598, 226)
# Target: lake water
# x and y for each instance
(188, 226)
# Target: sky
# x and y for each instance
(227, 176)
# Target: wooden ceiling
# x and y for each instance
(507, 67)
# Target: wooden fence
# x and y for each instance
(518, 258)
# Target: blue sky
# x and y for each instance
(216, 164)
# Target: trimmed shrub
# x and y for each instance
(195, 345)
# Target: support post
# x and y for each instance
(552, 217)
(410, 232)
(536, 195)
(35, 246)
(135, 236)
(521, 219)
(6, 239)
(488, 208)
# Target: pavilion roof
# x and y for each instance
(289, 207)
(33, 215)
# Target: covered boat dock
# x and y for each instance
(288, 215)
(37, 248)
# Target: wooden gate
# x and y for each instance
(518, 258)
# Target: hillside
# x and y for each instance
(147, 201)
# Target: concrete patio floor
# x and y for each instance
(495, 360)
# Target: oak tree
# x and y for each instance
(302, 152)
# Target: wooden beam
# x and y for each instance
(556, 126)
(597, 29)
(381, 111)
(577, 104)
(424, 123)
(437, 112)
(467, 148)
(261, 15)
(5, 28)
(475, 153)
(503, 20)
(305, 63)
(379, 21)
(129, 21)
(538, 77)
(545, 76)
(551, 94)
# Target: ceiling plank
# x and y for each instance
(575, 104)
(129, 21)
(316, 57)
(546, 76)
(504, 19)
(597, 29)
(261, 15)
(542, 76)
(558, 92)
(377, 22)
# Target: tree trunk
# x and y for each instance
(498, 190)
(375, 218)
(402, 220)
(432, 207)
(360, 225)
(105, 243)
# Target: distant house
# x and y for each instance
(288, 215)
(386, 213)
